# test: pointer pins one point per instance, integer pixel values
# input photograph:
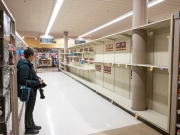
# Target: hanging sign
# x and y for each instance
(91, 49)
(91, 60)
(109, 47)
(85, 60)
(85, 49)
(107, 70)
(120, 46)
(98, 68)
(81, 50)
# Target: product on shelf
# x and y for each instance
(5, 82)
(5, 107)
(4, 53)
(179, 92)
(82, 61)
(178, 125)
(6, 127)
(11, 58)
(178, 132)
(12, 47)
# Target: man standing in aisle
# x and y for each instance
(25, 75)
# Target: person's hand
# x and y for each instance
(41, 81)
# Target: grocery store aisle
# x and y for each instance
(72, 109)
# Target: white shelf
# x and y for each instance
(73, 56)
(156, 25)
(64, 53)
(63, 63)
(154, 66)
(83, 52)
(81, 68)
(151, 116)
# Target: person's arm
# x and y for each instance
(24, 71)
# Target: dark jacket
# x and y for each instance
(26, 74)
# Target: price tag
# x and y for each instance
(161, 68)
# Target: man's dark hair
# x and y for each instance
(28, 51)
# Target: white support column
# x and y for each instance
(139, 55)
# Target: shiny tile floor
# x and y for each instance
(72, 109)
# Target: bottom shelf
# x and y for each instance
(151, 116)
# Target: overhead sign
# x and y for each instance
(46, 39)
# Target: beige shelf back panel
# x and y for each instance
(161, 46)
(99, 52)
(122, 81)
(149, 90)
(100, 75)
(123, 56)
(160, 91)
(150, 47)
(109, 56)
(92, 76)
(81, 73)
(86, 75)
(109, 79)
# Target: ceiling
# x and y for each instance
(80, 16)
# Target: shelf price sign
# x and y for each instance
(81, 50)
(109, 47)
(86, 49)
(77, 59)
(120, 46)
(98, 68)
(74, 50)
(107, 70)
(85, 60)
(91, 49)
(91, 60)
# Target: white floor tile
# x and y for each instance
(72, 109)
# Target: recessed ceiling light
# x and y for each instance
(35, 38)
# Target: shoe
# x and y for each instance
(31, 131)
(37, 127)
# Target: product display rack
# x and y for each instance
(9, 101)
(112, 75)
(61, 59)
(175, 99)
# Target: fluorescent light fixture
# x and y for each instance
(154, 2)
(56, 8)
(150, 4)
